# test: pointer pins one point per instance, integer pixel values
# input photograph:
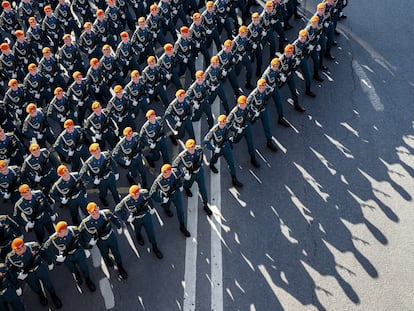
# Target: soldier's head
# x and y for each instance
(214, 61)
(255, 18)
(18, 246)
(303, 35)
(31, 109)
(199, 76)
(69, 125)
(35, 150)
(242, 31)
(118, 90)
(106, 49)
(77, 76)
(242, 101)
(6, 6)
(13, 84)
(180, 95)
(32, 22)
(62, 171)
(67, 39)
(134, 191)
(94, 62)
(100, 14)
(197, 19)
(168, 48)
(151, 61)
(58, 92)
(128, 132)
(142, 22)
(19, 35)
(269, 6)
(184, 32)
(88, 27)
(154, 9)
(95, 150)
(190, 145)
(222, 120)
(151, 116)
(3, 166)
(228, 45)
(166, 170)
(5, 48)
(62, 1)
(46, 52)
(111, 3)
(124, 37)
(320, 8)
(289, 50)
(210, 6)
(25, 191)
(135, 75)
(330, 2)
(48, 10)
(32, 69)
(2, 134)
(62, 229)
(261, 85)
(314, 21)
(275, 63)
(93, 210)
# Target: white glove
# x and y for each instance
(264, 33)
(80, 103)
(14, 75)
(239, 130)
(64, 200)
(181, 189)
(29, 226)
(257, 114)
(213, 88)
(217, 150)
(254, 46)
(185, 60)
(187, 176)
(240, 57)
(116, 132)
(127, 162)
(39, 135)
(96, 181)
(224, 73)
(152, 211)
(208, 31)
(19, 111)
(130, 218)
(40, 47)
(178, 123)
(50, 267)
(87, 253)
(92, 242)
(283, 78)
(37, 95)
(151, 91)
(222, 20)
(326, 24)
(196, 106)
(104, 39)
(175, 11)
(60, 258)
(152, 146)
(165, 200)
(19, 291)
(70, 153)
(119, 230)
(22, 276)
(197, 45)
(62, 118)
(37, 178)
(7, 195)
(318, 47)
(98, 136)
(53, 217)
(116, 176)
(298, 61)
(168, 76)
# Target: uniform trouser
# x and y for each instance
(136, 167)
(40, 274)
(141, 105)
(116, 79)
(228, 155)
(47, 137)
(178, 202)
(248, 136)
(270, 39)
(245, 62)
(330, 37)
(226, 25)
(277, 99)
(108, 183)
(145, 222)
(214, 36)
(40, 225)
(204, 50)
(154, 154)
(290, 81)
(190, 65)
(160, 91)
(315, 59)
(110, 137)
(111, 243)
(175, 78)
(170, 27)
(282, 37)
(222, 95)
(322, 43)
(257, 53)
(206, 108)
(232, 78)
(77, 262)
(201, 182)
(74, 205)
(304, 67)
(186, 126)
(264, 117)
(10, 298)
(180, 15)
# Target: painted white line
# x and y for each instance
(367, 86)
(107, 294)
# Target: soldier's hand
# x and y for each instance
(178, 123)
(54, 217)
(70, 153)
(60, 258)
(119, 230)
(187, 176)
(29, 226)
(117, 176)
(152, 211)
(37, 178)
(152, 146)
(92, 242)
(127, 162)
(96, 181)
(130, 218)
(7, 195)
(87, 253)
(22, 276)
(51, 266)
(98, 136)
(217, 150)
(64, 201)
(19, 291)
(165, 200)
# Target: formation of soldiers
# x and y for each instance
(48, 86)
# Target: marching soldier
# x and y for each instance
(167, 188)
(97, 85)
(69, 56)
(198, 36)
(101, 28)
(11, 148)
(39, 168)
(120, 109)
(227, 68)
(63, 246)
(7, 64)
(136, 209)
(9, 290)
(34, 212)
(26, 9)
(109, 67)
(155, 23)
(128, 154)
(153, 77)
(314, 32)
(101, 169)
(22, 54)
(50, 69)
(35, 85)
(190, 163)
(222, 9)
(15, 102)
(10, 179)
(209, 22)
(113, 16)
(88, 42)
(241, 56)
(8, 20)
(137, 93)
(254, 36)
(64, 15)
(142, 39)
(217, 140)
(80, 95)
(266, 24)
(70, 192)
(239, 122)
(35, 126)
(37, 38)
(60, 108)
(83, 11)
(183, 51)
(9, 230)
(167, 64)
(70, 145)
(26, 264)
(51, 28)
(215, 84)
(153, 138)
(98, 230)
(168, 25)
(125, 55)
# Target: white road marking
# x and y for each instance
(107, 294)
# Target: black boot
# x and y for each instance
(317, 77)
(104, 202)
(173, 140)
(298, 107)
(184, 230)
(271, 145)
(169, 213)
(56, 301)
(213, 169)
(249, 86)
(90, 285)
(131, 179)
(283, 121)
(156, 251)
(328, 55)
(188, 192)
(254, 162)
(140, 240)
(309, 93)
(236, 183)
(78, 278)
(43, 299)
(108, 262)
(122, 273)
(207, 209)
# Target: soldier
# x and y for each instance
(10, 179)
(70, 192)
(51, 28)
(314, 32)
(153, 78)
(97, 228)
(25, 263)
(266, 24)
(100, 128)
(109, 67)
(153, 138)
(239, 122)
(277, 20)
(227, 67)
(69, 56)
(178, 117)
(70, 145)
(37, 38)
(26, 9)
(142, 39)
(165, 12)
(59, 108)
(83, 11)
(217, 140)
(241, 56)
(257, 107)
(155, 22)
(14, 101)
(128, 154)
(97, 85)
(177, 12)
(190, 163)
(39, 168)
(34, 212)
(135, 209)
(329, 24)
(183, 51)
(113, 16)
(8, 20)
(125, 55)
(101, 28)
(137, 93)
(209, 22)
(254, 36)
(167, 64)
(35, 85)
(7, 64)
(120, 109)
(222, 9)
(35, 126)
(80, 95)
(22, 54)
(50, 69)
(64, 15)
(167, 188)
(198, 36)
(198, 96)
(9, 230)
(101, 169)
(63, 246)
(11, 148)
(9, 290)
(215, 84)
(88, 42)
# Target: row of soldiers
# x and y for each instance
(101, 169)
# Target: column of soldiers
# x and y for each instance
(66, 126)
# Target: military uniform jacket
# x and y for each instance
(70, 189)
(100, 228)
(58, 108)
(182, 49)
(10, 146)
(287, 65)
(34, 125)
(271, 76)
(209, 21)
(66, 141)
(99, 168)
(22, 54)
(197, 34)
(101, 124)
(51, 27)
(127, 149)
(113, 16)
(222, 7)
(118, 108)
(9, 230)
(7, 280)
(266, 22)
(197, 94)
(217, 137)
(34, 84)
(166, 63)
(141, 38)
(108, 66)
(25, 11)
(101, 28)
(64, 246)
(7, 66)
(78, 93)
(124, 53)
(238, 120)
(152, 76)
(213, 77)
(189, 163)
(68, 55)
(49, 68)
(36, 37)
(178, 112)
(138, 208)
(14, 102)
(256, 102)
(64, 14)
(226, 62)
(166, 187)
(154, 23)
(32, 210)
(254, 35)
(10, 181)
(41, 166)
(239, 48)
(152, 133)
(136, 91)
(88, 42)
(26, 263)
(95, 79)
(9, 22)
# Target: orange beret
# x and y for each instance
(19, 33)
(124, 34)
(32, 19)
(33, 147)
(184, 29)
(61, 169)
(76, 74)
(303, 33)
(214, 59)
(106, 47)
(47, 8)
(68, 122)
(117, 88)
(3, 164)
(190, 143)
(196, 15)
(93, 147)
(127, 130)
(30, 107)
(32, 66)
(149, 113)
(57, 90)
(255, 15)
(228, 42)
(24, 188)
(150, 59)
(275, 61)
(153, 7)
(179, 92)
(242, 29)
(261, 82)
(5, 4)
(17, 243)
(87, 24)
(141, 19)
(209, 4)
(314, 18)
(269, 4)
(100, 12)
(65, 36)
(4, 46)
(199, 74)
(168, 47)
(289, 48)
(12, 82)
(320, 6)
(242, 99)
(95, 105)
(165, 167)
(222, 118)
(94, 61)
(135, 73)
(45, 50)
(133, 190)
(61, 225)
(91, 207)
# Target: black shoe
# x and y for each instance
(43, 299)
(157, 252)
(213, 169)
(283, 121)
(258, 73)
(184, 230)
(299, 108)
(298, 16)
(140, 240)
(310, 93)
(104, 201)
(236, 183)
(317, 77)
(173, 140)
(56, 301)
(334, 42)
(188, 192)
(324, 68)
(249, 86)
(271, 145)
(151, 163)
(254, 162)
(343, 16)
(90, 285)
(169, 213)
(78, 278)
(122, 273)
(108, 262)
(329, 56)
(207, 209)
(131, 180)
(336, 32)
